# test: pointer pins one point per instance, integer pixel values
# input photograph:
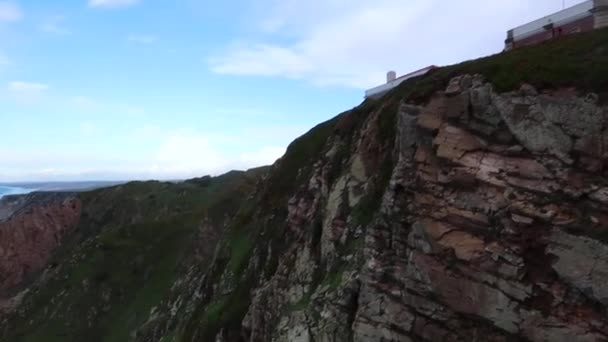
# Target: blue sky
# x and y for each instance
(142, 89)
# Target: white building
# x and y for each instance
(392, 81)
(586, 16)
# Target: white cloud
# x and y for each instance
(264, 60)
(142, 38)
(83, 103)
(112, 3)
(153, 153)
(147, 133)
(4, 61)
(27, 87)
(54, 25)
(26, 92)
(133, 111)
(88, 128)
(9, 11)
(267, 155)
(354, 42)
(54, 29)
(188, 153)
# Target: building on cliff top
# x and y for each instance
(392, 81)
(586, 16)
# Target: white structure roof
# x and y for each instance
(567, 15)
(381, 89)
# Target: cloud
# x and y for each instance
(26, 92)
(132, 111)
(54, 29)
(147, 133)
(153, 152)
(9, 11)
(83, 103)
(267, 155)
(27, 87)
(112, 3)
(142, 38)
(188, 154)
(88, 128)
(185, 155)
(4, 61)
(264, 60)
(353, 43)
(53, 25)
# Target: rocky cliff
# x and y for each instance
(470, 204)
(466, 205)
(31, 228)
(482, 218)
(117, 258)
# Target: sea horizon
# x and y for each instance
(6, 190)
(22, 188)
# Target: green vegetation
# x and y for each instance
(213, 314)
(334, 280)
(365, 210)
(131, 243)
(168, 338)
(225, 312)
(302, 304)
(293, 169)
(387, 122)
(240, 248)
(228, 310)
(300, 155)
(579, 60)
(133, 238)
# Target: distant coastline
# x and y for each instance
(14, 190)
(28, 187)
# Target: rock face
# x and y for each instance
(476, 216)
(104, 265)
(472, 216)
(31, 228)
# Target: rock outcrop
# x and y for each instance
(31, 228)
(464, 208)
(99, 265)
(475, 216)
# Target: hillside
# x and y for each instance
(119, 255)
(470, 204)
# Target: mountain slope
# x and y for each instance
(130, 243)
(468, 204)
(454, 208)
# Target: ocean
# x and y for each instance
(11, 190)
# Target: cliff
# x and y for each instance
(483, 217)
(31, 228)
(119, 257)
(468, 204)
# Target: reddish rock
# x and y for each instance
(431, 116)
(29, 236)
(454, 142)
(457, 106)
(528, 90)
(466, 246)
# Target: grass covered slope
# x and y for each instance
(578, 60)
(126, 254)
(260, 235)
(135, 240)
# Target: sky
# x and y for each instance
(156, 89)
